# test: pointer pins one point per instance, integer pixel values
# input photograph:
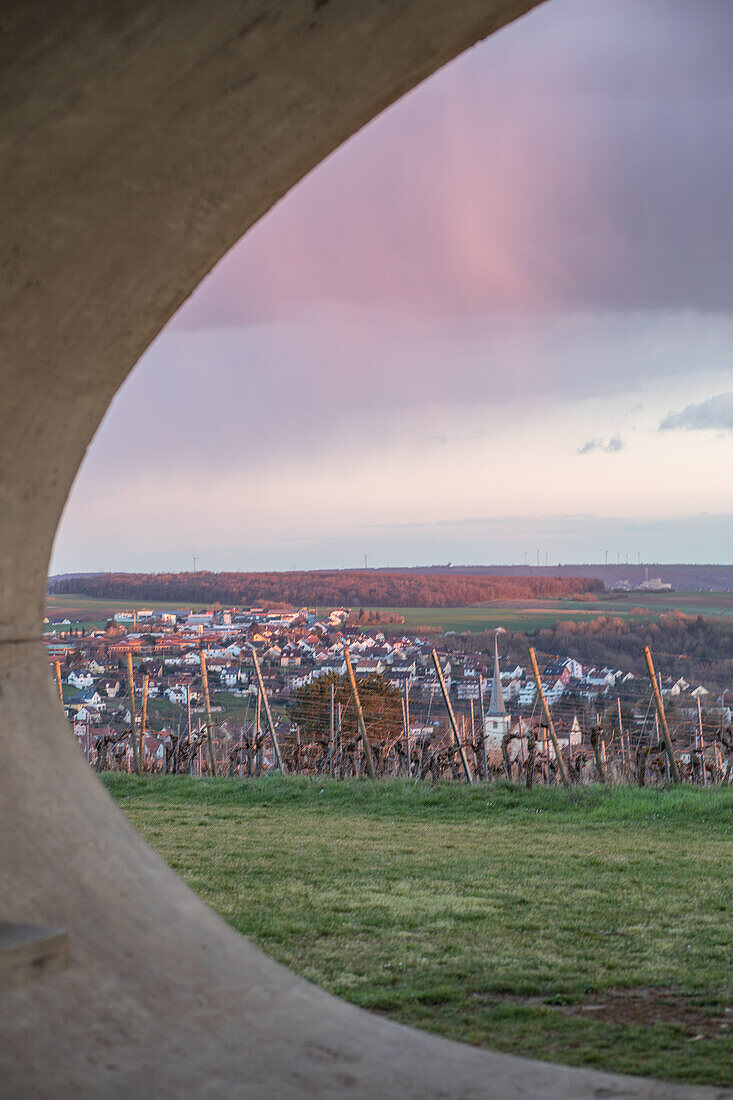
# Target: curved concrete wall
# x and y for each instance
(140, 139)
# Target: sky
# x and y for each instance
(495, 326)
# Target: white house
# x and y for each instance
(574, 667)
(570, 737)
(229, 676)
(110, 685)
(511, 690)
(367, 667)
(468, 688)
(301, 679)
(677, 688)
(200, 618)
(599, 677)
(553, 690)
(177, 694)
(81, 679)
(527, 693)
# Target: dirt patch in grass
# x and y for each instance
(648, 1007)
(645, 1007)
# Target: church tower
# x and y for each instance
(497, 721)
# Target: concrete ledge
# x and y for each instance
(30, 951)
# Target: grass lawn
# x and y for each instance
(592, 926)
(512, 615)
(531, 615)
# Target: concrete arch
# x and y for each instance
(140, 139)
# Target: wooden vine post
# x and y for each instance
(477, 763)
(331, 729)
(482, 736)
(58, 682)
(339, 732)
(452, 718)
(257, 736)
(531, 749)
(268, 715)
(597, 745)
(406, 722)
(548, 718)
(701, 745)
(359, 716)
(674, 769)
(207, 702)
(144, 718)
(133, 721)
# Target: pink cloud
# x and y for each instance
(550, 168)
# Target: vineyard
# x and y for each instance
(345, 730)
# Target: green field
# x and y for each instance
(533, 615)
(592, 926)
(511, 614)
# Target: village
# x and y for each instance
(235, 675)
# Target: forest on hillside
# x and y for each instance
(697, 647)
(322, 588)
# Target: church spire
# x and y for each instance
(496, 706)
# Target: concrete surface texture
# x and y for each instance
(140, 139)
(29, 952)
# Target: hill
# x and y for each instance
(683, 577)
(351, 588)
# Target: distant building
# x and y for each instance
(200, 618)
(655, 585)
(527, 693)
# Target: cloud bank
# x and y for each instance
(715, 414)
(528, 246)
(580, 159)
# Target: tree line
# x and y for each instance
(345, 587)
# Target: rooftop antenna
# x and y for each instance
(606, 557)
(194, 563)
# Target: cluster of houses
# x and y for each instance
(294, 648)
